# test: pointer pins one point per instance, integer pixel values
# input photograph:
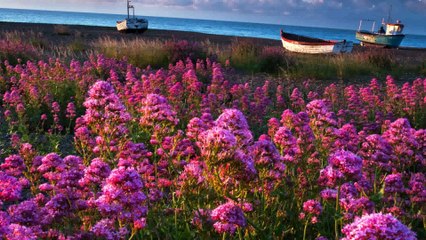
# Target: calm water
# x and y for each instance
(269, 31)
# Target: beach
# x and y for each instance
(90, 33)
(55, 34)
(65, 34)
(91, 37)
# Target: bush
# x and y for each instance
(181, 50)
(17, 51)
(78, 46)
(141, 53)
(273, 59)
(244, 55)
(166, 154)
(154, 53)
(381, 60)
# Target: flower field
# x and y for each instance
(100, 149)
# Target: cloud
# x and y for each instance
(269, 7)
(417, 5)
(313, 1)
(245, 6)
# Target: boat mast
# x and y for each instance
(360, 24)
(389, 14)
(128, 9)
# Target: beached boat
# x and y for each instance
(303, 44)
(132, 23)
(390, 37)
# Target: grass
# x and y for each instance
(243, 55)
(154, 53)
(250, 58)
(340, 66)
(422, 68)
(138, 52)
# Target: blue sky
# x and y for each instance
(323, 13)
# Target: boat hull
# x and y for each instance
(325, 47)
(132, 25)
(392, 41)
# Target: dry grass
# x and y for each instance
(155, 53)
(246, 55)
(139, 52)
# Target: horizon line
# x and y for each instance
(202, 19)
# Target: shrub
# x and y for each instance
(17, 51)
(139, 52)
(245, 55)
(381, 60)
(273, 59)
(181, 50)
(162, 153)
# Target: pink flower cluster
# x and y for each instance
(155, 111)
(313, 209)
(178, 141)
(377, 226)
(343, 166)
(228, 218)
(122, 196)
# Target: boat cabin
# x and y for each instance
(391, 28)
(394, 28)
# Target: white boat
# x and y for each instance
(132, 23)
(303, 44)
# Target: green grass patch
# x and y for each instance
(245, 55)
(154, 53)
(138, 52)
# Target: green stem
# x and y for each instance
(336, 223)
(253, 225)
(240, 236)
(133, 234)
(304, 230)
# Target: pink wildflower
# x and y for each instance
(235, 121)
(10, 188)
(217, 144)
(377, 226)
(228, 217)
(287, 144)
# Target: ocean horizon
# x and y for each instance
(218, 27)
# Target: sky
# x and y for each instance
(317, 13)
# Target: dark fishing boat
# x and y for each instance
(389, 35)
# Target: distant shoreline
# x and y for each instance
(90, 33)
(93, 32)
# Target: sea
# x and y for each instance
(243, 29)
